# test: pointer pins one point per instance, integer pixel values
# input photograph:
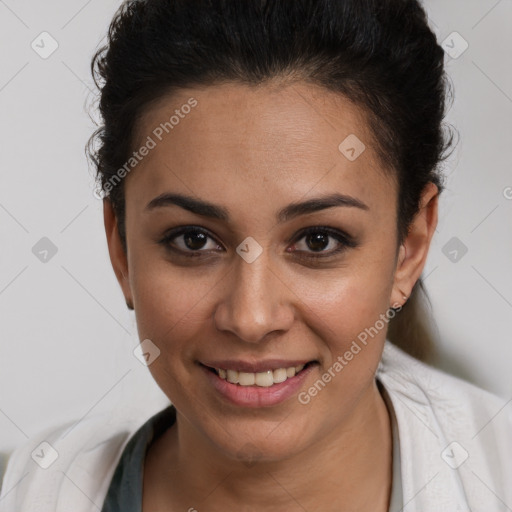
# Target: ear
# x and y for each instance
(414, 250)
(118, 257)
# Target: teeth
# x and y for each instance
(246, 379)
(232, 376)
(279, 375)
(263, 379)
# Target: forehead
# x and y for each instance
(276, 140)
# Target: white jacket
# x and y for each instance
(455, 449)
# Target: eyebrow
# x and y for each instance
(207, 209)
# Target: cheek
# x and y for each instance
(347, 304)
(172, 312)
(350, 324)
(171, 303)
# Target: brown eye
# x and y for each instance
(195, 240)
(318, 242)
(189, 240)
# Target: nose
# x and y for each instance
(255, 301)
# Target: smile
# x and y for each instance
(258, 389)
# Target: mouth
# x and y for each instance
(266, 378)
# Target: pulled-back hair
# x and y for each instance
(379, 54)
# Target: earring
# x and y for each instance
(405, 298)
(129, 305)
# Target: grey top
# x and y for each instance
(125, 490)
(396, 502)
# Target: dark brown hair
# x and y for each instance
(380, 54)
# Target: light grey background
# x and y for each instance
(66, 335)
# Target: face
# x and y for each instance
(239, 272)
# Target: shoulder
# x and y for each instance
(410, 377)
(68, 467)
(457, 429)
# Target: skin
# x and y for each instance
(253, 151)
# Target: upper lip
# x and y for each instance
(255, 367)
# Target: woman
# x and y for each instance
(271, 180)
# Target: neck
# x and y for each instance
(349, 469)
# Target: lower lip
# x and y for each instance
(258, 396)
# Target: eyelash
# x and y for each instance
(344, 239)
